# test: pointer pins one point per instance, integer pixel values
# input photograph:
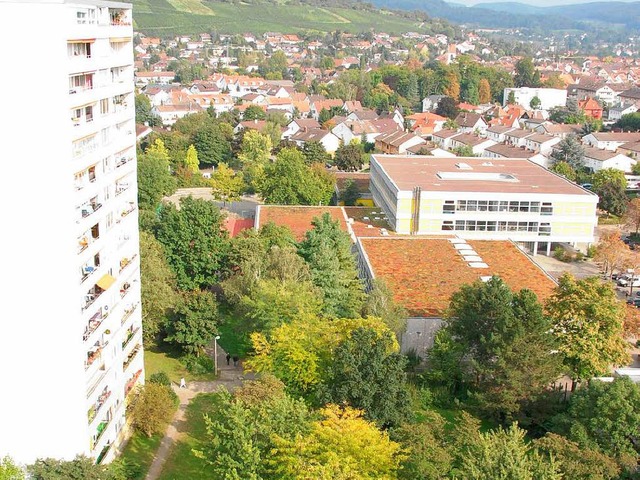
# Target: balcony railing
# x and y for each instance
(89, 209)
(131, 356)
(125, 262)
(93, 324)
(101, 428)
(130, 335)
(95, 409)
(86, 271)
(128, 311)
(132, 382)
(126, 286)
(123, 161)
(92, 357)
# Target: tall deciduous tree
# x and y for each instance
(563, 168)
(154, 176)
(289, 181)
(604, 417)
(226, 185)
(152, 408)
(194, 322)
(80, 468)
(632, 217)
(349, 157)
(588, 323)
(9, 470)
(340, 445)
(612, 252)
(195, 241)
(327, 250)
(254, 154)
(612, 199)
(447, 107)
(509, 360)
(158, 287)
(365, 375)
(484, 91)
(380, 303)
(452, 86)
(525, 73)
(212, 145)
(191, 160)
(314, 152)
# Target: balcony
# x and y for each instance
(85, 178)
(89, 208)
(123, 161)
(93, 355)
(98, 289)
(132, 382)
(95, 409)
(126, 286)
(130, 334)
(86, 271)
(88, 238)
(130, 207)
(132, 355)
(103, 454)
(93, 324)
(100, 429)
(125, 262)
(119, 17)
(122, 187)
(128, 311)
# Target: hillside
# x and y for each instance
(517, 15)
(168, 17)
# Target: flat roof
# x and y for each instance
(297, 218)
(474, 174)
(423, 273)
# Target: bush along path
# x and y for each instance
(229, 376)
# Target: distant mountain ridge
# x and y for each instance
(518, 15)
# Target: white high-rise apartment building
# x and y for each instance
(70, 328)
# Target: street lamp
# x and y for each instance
(215, 354)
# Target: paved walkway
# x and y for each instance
(229, 376)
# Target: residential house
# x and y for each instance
(517, 137)
(426, 123)
(470, 140)
(597, 159)
(549, 97)
(541, 143)
(443, 138)
(397, 142)
(160, 78)
(559, 129)
(502, 151)
(170, 114)
(616, 113)
(317, 105)
(610, 140)
(469, 122)
(430, 103)
(497, 133)
(591, 108)
(328, 140)
(630, 96)
(300, 124)
(595, 89)
(630, 149)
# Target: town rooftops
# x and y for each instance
(598, 153)
(509, 151)
(616, 136)
(473, 174)
(423, 273)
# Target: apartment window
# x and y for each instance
(86, 16)
(546, 209)
(449, 207)
(545, 229)
(105, 135)
(447, 225)
(104, 106)
(79, 49)
(80, 82)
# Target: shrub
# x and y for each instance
(198, 365)
(591, 251)
(152, 409)
(161, 378)
(560, 254)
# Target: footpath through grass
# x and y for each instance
(181, 463)
(141, 450)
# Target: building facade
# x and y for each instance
(475, 198)
(71, 347)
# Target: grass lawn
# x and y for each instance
(163, 360)
(231, 340)
(141, 450)
(181, 463)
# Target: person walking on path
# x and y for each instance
(228, 358)
(183, 384)
(235, 360)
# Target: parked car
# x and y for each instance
(629, 282)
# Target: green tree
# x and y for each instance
(144, 116)
(158, 287)
(212, 145)
(380, 303)
(464, 151)
(577, 462)
(194, 322)
(254, 112)
(366, 376)
(349, 157)
(226, 185)
(603, 417)
(191, 161)
(571, 151)
(314, 152)
(588, 323)
(484, 91)
(447, 107)
(9, 470)
(525, 73)
(351, 193)
(608, 175)
(327, 250)
(80, 468)
(254, 155)
(154, 176)
(509, 345)
(288, 181)
(195, 242)
(563, 168)
(612, 199)
(535, 103)
(511, 98)
(629, 122)
(240, 443)
(504, 454)
(342, 445)
(151, 408)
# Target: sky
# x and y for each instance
(537, 3)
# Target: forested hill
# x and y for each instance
(517, 15)
(169, 17)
